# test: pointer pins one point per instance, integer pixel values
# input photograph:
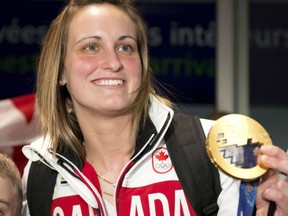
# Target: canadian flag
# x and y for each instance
(19, 125)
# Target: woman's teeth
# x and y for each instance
(109, 82)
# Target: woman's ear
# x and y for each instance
(62, 81)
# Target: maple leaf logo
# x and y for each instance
(161, 156)
(161, 161)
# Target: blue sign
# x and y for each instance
(23, 25)
(181, 44)
(182, 48)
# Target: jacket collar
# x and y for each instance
(160, 117)
(158, 113)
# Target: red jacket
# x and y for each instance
(148, 185)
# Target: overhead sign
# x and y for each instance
(181, 47)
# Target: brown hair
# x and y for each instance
(53, 99)
(8, 170)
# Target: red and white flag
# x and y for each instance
(19, 124)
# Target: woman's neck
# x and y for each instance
(109, 143)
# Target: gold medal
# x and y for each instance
(232, 145)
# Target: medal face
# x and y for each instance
(232, 145)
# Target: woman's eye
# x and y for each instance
(125, 48)
(90, 48)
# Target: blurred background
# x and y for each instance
(211, 55)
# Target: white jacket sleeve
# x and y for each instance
(228, 199)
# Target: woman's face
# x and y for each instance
(102, 65)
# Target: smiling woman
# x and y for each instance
(102, 68)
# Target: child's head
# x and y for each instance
(10, 188)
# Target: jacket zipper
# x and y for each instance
(153, 140)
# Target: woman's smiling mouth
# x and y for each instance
(109, 82)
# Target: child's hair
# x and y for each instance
(9, 170)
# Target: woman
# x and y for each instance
(10, 187)
(104, 123)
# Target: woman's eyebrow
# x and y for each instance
(90, 37)
(126, 36)
(123, 37)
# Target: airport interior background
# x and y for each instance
(211, 56)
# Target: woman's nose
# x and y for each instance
(112, 62)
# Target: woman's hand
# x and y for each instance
(273, 186)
